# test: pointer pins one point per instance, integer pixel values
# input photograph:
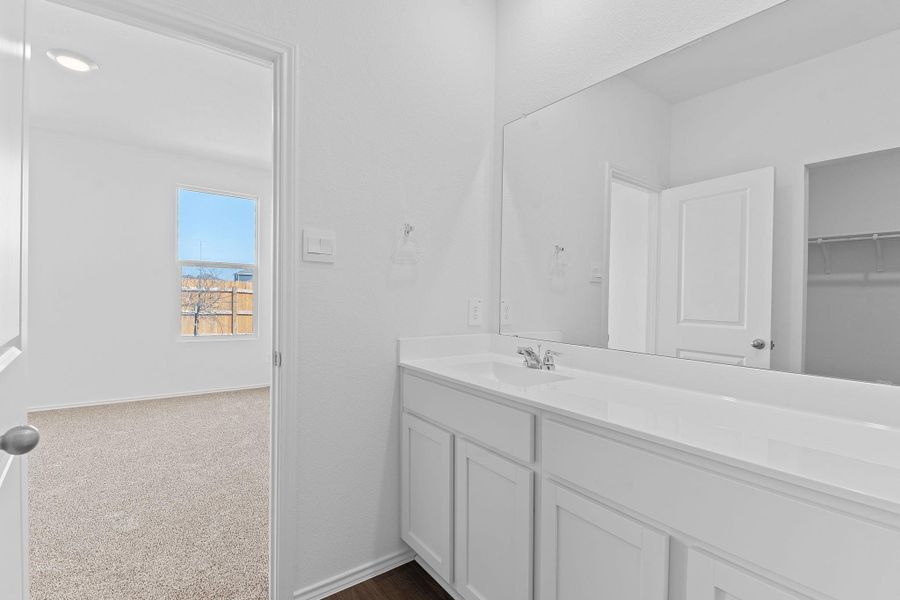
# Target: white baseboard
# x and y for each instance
(142, 398)
(353, 576)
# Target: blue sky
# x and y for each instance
(217, 228)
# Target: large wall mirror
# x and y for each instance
(736, 200)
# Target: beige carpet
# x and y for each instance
(160, 499)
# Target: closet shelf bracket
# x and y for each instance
(879, 253)
(826, 255)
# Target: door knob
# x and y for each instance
(758, 344)
(21, 439)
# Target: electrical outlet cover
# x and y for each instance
(505, 313)
(476, 311)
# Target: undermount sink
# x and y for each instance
(519, 376)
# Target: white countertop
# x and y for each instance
(851, 458)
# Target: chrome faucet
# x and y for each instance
(532, 358)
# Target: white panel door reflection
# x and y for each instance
(715, 283)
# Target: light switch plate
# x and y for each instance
(319, 245)
(505, 313)
(476, 311)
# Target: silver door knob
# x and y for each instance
(21, 439)
(758, 344)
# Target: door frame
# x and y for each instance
(616, 174)
(10, 350)
(202, 29)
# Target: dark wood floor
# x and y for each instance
(406, 582)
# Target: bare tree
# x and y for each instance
(203, 294)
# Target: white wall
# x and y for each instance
(555, 187)
(103, 297)
(396, 106)
(833, 106)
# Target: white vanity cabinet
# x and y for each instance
(588, 551)
(514, 500)
(467, 504)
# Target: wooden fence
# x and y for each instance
(216, 307)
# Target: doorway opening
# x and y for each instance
(632, 217)
(153, 478)
(633, 233)
(853, 268)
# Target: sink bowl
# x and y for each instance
(518, 376)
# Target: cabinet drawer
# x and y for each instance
(506, 429)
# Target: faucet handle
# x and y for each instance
(548, 362)
(532, 358)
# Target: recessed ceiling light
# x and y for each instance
(72, 60)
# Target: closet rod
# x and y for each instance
(855, 238)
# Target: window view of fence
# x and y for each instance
(214, 304)
(217, 253)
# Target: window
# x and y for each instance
(217, 259)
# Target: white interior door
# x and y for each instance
(715, 276)
(12, 411)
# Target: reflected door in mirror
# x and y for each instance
(715, 289)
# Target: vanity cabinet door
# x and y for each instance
(589, 552)
(494, 516)
(711, 579)
(427, 488)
